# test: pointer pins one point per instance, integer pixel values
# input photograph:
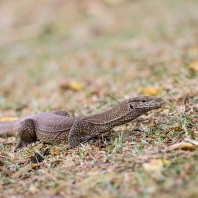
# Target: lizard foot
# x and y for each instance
(70, 147)
(20, 144)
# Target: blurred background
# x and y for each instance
(70, 54)
(83, 56)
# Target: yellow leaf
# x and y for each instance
(54, 152)
(34, 166)
(194, 51)
(155, 164)
(151, 91)
(166, 110)
(176, 128)
(77, 86)
(183, 146)
(166, 162)
(194, 66)
(8, 119)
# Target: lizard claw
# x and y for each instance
(69, 147)
(20, 144)
(72, 146)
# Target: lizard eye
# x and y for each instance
(131, 106)
(143, 101)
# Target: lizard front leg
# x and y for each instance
(26, 133)
(79, 129)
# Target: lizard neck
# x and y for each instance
(126, 118)
(115, 116)
(110, 116)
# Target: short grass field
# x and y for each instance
(84, 57)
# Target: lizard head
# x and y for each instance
(144, 103)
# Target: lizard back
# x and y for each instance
(49, 126)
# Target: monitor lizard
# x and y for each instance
(59, 127)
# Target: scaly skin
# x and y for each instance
(58, 127)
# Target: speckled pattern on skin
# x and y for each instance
(53, 127)
(58, 127)
(120, 114)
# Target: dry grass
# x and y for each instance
(115, 51)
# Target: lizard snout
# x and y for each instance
(159, 102)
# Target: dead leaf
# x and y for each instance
(155, 164)
(2, 140)
(68, 164)
(34, 166)
(54, 152)
(102, 196)
(61, 187)
(33, 189)
(1, 165)
(93, 180)
(7, 173)
(193, 66)
(8, 119)
(193, 51)
(151, 91)
(20, 172)
(76, 86)
(182, 146)
(176, 128)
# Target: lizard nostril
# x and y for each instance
(143, 100)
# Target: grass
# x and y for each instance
(114, 50)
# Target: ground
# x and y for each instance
(84, 57)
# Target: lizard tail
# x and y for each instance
(9, 128)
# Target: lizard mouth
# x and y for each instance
(158, 102)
